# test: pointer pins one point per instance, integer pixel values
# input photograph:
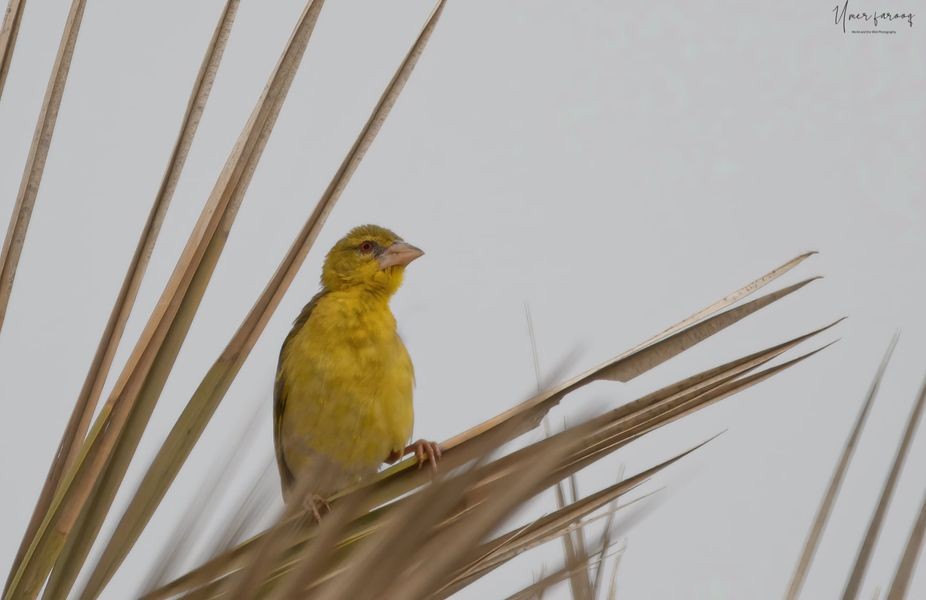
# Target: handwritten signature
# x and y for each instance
(844, 16)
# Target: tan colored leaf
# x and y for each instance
(867, 546)
(623, 431)
(726, 301)
(628, 365)
(574, 550)
(8, 33)
(41, 140)
(832, 491)
(907, 564)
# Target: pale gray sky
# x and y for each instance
(617, 165)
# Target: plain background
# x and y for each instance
(617, 165)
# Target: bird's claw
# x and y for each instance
(426, 452)
(315, 504)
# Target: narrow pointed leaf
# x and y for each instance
(574, 553)
(839, 473)
(727, 300)
(626, 366)
(8, 34)
(41, 142)
(907, 564)
(854, 583)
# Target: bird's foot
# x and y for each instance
(425, 452)
(317, 505)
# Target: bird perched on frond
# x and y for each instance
(343, 394)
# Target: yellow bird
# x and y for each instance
(343, 394)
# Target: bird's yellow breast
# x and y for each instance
(347, 381)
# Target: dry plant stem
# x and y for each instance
(598, 581)
(832, 491)
(907, 564)
(69, 446)
(115, 433)
(612, 587)
(38, 152)
(581, 549)
(539, 587)
(857, 574)
(573, 551)
(8, 33)
(213, 387)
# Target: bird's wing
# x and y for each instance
(279, 393)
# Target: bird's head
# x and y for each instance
(369, 257)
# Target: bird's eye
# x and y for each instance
(366, 247)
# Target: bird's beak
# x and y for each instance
(398, 254)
